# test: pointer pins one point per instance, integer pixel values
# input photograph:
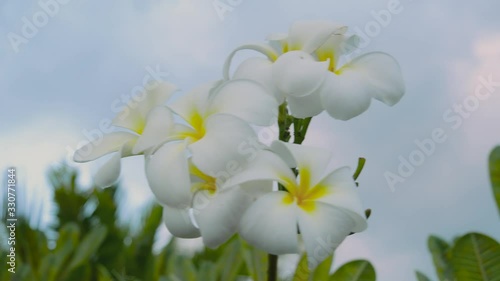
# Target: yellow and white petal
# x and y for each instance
(322, 230)
(310, 35)
(109, 143)
(109, 173)
(343, 193)
(133, 117)
(245, 99)
(194, 102)
(218, 215)
(310, 161)
(335, 47)
(298, 74)
(306, 106)
(265, 166)
(271, 225)
(167, 172)
(179, 222)
(159, 127)
(345, 96)
(265, 49)
(260, 71)
(218, 151)
(279, 41)
(381, 74)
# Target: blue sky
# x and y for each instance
(65, 79)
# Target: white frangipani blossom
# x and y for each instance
(304, 68)
(133, 119)
(322, 205)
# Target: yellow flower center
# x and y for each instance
(303, 193)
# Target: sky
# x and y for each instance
(59, 80)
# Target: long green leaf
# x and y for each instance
(440, 255)
(359, 270)
(495, 174)
(476, 257)
(302, 270)
(89, 245)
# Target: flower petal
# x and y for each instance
(133, 116)
(218, 215)
(298, 74)
(259, 70)
(382, 74)
(312, 160)
(343, 193)
(265, 166)
(323, 230)
(306, 106)
(194, 102)
(109, 173)
(168, 175)
(159, 127)
(219, 151)
(310, 35)
(247, 100)
(108, 143)
(259, 47)
(345, 96)
(179, 222)
(271, 225)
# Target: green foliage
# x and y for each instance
(359, 270)
(495, 174)
(472, 257)
(476, 257)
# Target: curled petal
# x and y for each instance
(108, 143)
(382, 74)
(298, 74)
(168, 175)
(109, 173)
(343, 194)
(310, 35)
(260, 71)
(159, 127)
(323, 230)
(218, 215)
(247, 100)
(133, 116)
(271, 225)
(218, 153)
(179, 223)
(265, 49)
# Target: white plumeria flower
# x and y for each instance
(323, 206)
(134, 119)
(217, 117)
(304, 68)
(194, 203)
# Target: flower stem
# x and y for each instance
(272, 267)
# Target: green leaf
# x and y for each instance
(359, 270)
(421, 276)
(440, 255)
(302, 270)
(256, 262)
(322, 272)
(88, 246)
(495, 174)
(476, 257)
(359, 169)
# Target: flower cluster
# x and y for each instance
(205, 165)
